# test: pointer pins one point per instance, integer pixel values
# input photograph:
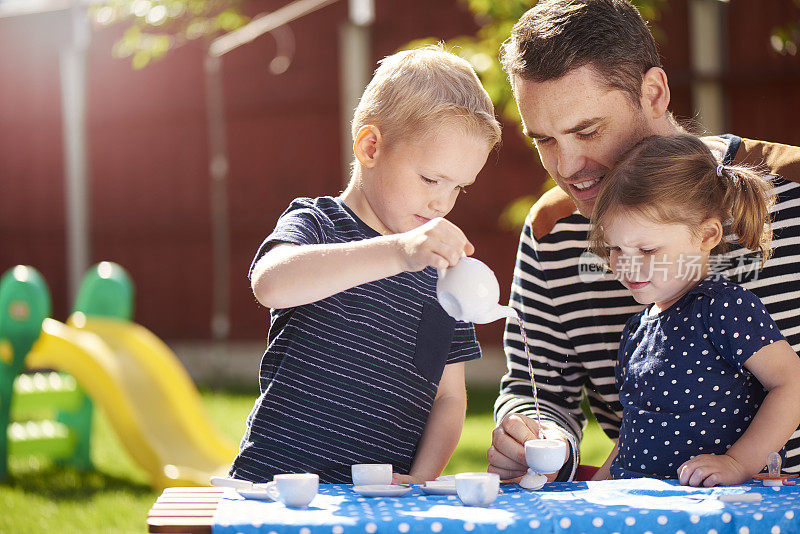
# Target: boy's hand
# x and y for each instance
(437, 243)
(712, 470)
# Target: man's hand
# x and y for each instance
(438, 243)
(507, 454)
(711, 470)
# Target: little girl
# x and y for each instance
(708, 384)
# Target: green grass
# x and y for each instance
(42, 497)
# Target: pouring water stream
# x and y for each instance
(469, 291)
(533, 377)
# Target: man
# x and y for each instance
(589, 85)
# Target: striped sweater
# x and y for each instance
(574, 321)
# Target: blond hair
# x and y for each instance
(677, 180)
(413, 91)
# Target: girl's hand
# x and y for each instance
(397, 478)
(712, 470)
(437, 243)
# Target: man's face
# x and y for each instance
(581, 128)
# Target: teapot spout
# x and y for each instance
(496, 313)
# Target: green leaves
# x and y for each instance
(786, 39)
(157, 26)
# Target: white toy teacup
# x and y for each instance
(545, 456)
(371, 474)
(295, 490)
(477, 489)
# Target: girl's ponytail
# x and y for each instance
(748, 199)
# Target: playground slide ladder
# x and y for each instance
(24, 304)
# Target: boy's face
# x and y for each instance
(581, 128)
(657, 262)
(416, 180)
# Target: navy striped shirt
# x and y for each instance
(574, 323)
(350, 378)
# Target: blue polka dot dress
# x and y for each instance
(682, 384)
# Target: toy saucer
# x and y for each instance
(532, 481)
(439, 487)
(382, 490)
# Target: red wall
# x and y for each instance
(150, 205)
(762, 86)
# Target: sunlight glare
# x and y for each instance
(21, 273)
(157, 15)
(141, 7)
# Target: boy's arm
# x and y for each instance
(443, 429)
(291, 275)
(777, 367)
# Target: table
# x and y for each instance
(189, 510)
(637, 505)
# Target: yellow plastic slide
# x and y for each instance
(146, 394)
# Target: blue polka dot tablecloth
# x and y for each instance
(634, 505)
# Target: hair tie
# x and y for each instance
(720, 168)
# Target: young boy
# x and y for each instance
(362, 364)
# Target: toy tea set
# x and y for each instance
(468, 291)
(297, 490)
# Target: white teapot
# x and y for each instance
(469, 291)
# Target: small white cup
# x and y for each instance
(545, 456)
(477, 489)
(295, 490)
(371, 474)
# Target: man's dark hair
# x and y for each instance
(557, 36)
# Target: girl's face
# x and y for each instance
(658, 262)
(416, 180)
